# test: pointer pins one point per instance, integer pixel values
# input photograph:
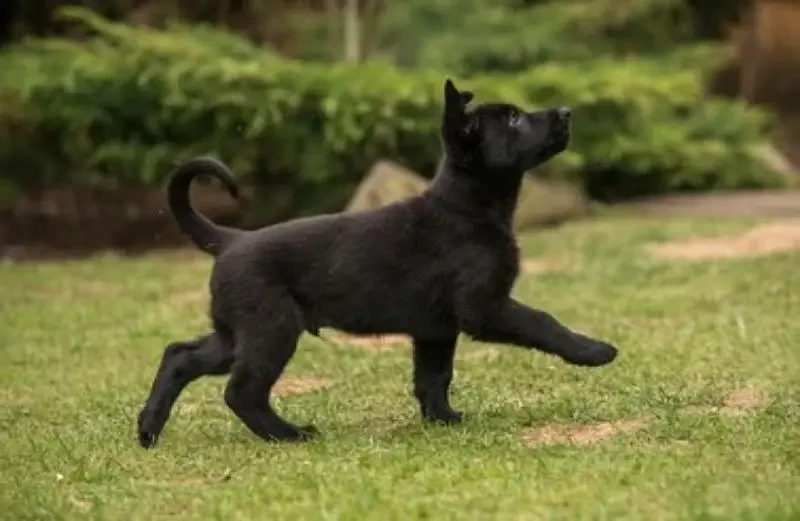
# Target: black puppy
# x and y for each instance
(429, 267)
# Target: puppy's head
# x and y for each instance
(499, 138)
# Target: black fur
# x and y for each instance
(430, 267)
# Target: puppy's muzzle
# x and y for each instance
(559, 122)
(560, 117)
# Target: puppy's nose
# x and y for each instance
(564, 113)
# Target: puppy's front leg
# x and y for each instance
(433, 373)
(511, 322)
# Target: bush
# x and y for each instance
(128, 103)
(474, 37)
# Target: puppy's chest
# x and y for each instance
(497, 257)
(506, 263)
(501, 244)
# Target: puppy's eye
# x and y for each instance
(514, 119)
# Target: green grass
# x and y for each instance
(80, 342)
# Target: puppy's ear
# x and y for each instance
(454, 119)
(455, 99)
(453, 104)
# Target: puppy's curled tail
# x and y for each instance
(209, 237)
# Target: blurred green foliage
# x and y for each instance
(126, 104)
(476, 36)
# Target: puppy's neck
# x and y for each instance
(475, 192)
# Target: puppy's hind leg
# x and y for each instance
(181, 364)
(433, 373)
(264, 345)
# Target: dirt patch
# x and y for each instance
(779, 236)
(366, 341)
(286, 386)
(582, 434)
(539, 265)
(289, 386)
(745, 400)
(213, 479)
(736, 403)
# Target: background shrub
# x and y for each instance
(126, 103)
(473, 37)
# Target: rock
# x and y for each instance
(541, 201)
(544, 202)
(774, 159)
(386, 183)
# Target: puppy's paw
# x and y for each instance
(293, 433)
(446, 417)
(591, 353)
(147, 439)
(149, 427)
(307, 432)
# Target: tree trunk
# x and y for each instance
(352, 31)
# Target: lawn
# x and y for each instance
(698, 419)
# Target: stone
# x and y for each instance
(541, 201)
(386, 183)
(545, 202)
